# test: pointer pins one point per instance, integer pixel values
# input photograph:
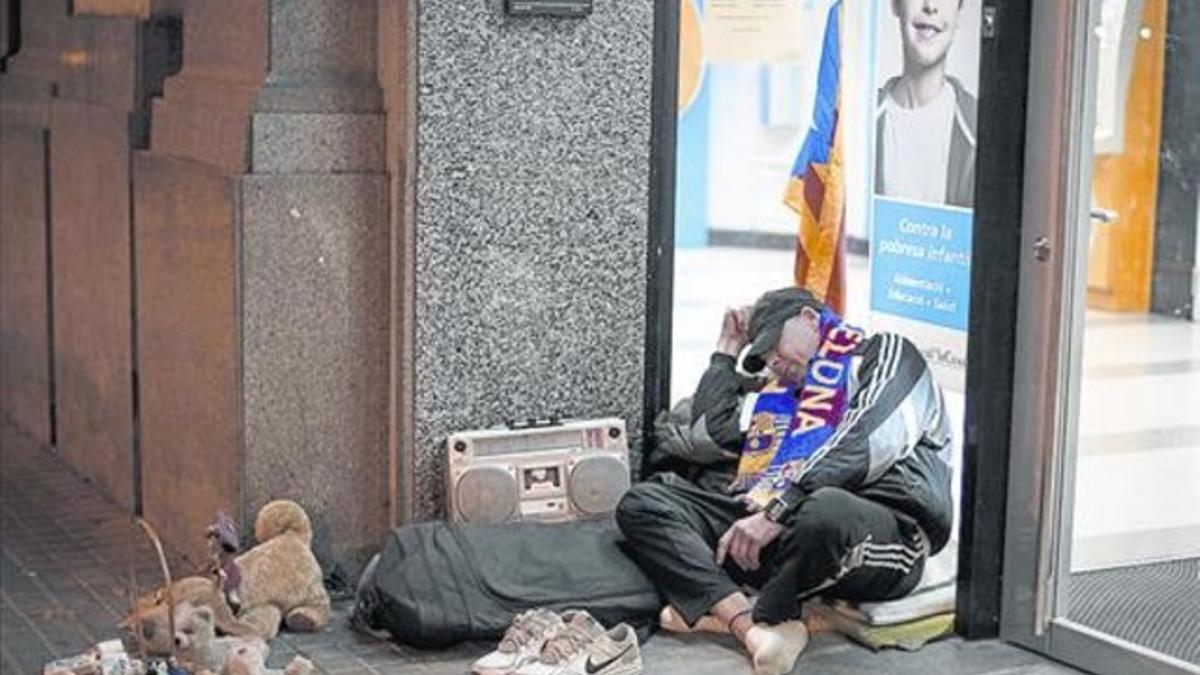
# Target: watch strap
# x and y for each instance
(779, 508)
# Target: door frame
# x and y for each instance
(1001, 132)
(991, 345)
(1049, 338)
(660, 244)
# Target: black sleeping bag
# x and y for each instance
(436, 584)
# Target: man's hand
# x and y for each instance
(751, 505)
(734, 331)
(746, 539)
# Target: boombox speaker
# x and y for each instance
(547, 471)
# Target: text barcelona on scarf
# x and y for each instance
(789, 425)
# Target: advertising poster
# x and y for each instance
(737, 31)
(925, 81)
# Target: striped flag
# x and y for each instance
(816, 188)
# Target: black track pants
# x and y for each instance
(836, 544)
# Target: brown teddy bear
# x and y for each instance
(281, 583)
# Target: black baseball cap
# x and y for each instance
(767, 317)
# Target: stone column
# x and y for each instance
(8, 28)
(263, 204)
(97, 118)
(322, 58)
(76, 93)
(187, 214)
(315, 274)
(26, 90)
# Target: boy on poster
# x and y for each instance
(925, 122)
(924, 185)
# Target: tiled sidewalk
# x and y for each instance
(65, 555)
(64, 566)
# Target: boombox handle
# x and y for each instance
(534, 422)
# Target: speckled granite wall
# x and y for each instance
(314, 266)
(532, 204)
(314, 279)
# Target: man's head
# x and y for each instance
(926, 29)
(785, 333)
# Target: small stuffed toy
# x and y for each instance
(249, 657)
(196, 639)
(223, 543)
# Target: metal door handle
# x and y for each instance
(1041, 249)
(1106, 216)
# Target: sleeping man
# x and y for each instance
(842, 482)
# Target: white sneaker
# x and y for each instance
(588, 650)
(522, 643)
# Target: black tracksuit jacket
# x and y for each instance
(892, 445)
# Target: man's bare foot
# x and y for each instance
(673, 622)
(774, 649)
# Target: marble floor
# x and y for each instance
(1139, 442)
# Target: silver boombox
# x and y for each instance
(547, 471)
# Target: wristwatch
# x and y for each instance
(779, 508)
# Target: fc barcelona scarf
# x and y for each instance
(789, 424)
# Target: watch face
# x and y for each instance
(776, 509)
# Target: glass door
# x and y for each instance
(1102, 552)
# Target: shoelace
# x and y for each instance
(564, 645)
(525, 627)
